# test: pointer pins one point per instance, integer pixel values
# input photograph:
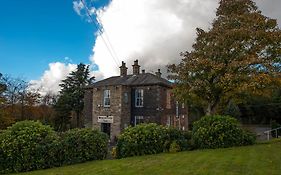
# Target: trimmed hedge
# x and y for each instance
(220, 132)
(28, 145)
(148, 139)
(80, 145)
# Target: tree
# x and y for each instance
(15, 89)
(241, 53)
(71, 97)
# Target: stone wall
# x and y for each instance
(122, 107)
(125, 107)
(114, 109)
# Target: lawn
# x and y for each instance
(263, 159)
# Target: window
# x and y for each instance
(106, 98)
(139, 98)
(126, 98)
(138, 120)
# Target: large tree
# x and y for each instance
(71, 97)
(239, 54)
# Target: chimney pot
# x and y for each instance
(143, 71)
(123, 69)
(136, 68)
(158, 73)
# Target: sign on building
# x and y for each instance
(105, 119)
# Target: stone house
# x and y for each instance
(114, 103)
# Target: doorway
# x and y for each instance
(105, 127)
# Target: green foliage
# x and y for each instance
(80, 145)
(174, 135)
(275, 125)
(71, 97)
(174, 147)
(141, 139)
(220, 132)
(148, 139)
(28, 145)
(113, 153)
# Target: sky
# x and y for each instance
(42, 41)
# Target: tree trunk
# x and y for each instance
(209, 109)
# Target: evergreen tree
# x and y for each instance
(71, 97)
(241, 53)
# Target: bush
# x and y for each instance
(219, 132)
(275, 125)
(181, 138)
(80, 145)
(148, 139)
(141, 139)
(174, 147)
(28, 145)
(249, 138)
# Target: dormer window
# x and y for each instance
(139, 98)
(106, 98)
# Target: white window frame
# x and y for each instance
(139, 98)
(106, 96)
(137, 118)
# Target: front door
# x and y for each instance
(105, 127)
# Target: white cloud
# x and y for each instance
(155, 31)
(78, 6)
(52, 77)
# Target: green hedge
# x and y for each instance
(28, 145)
(175, 136)
(220, 132)
(80, 145)
(148, 139)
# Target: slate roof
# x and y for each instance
(133, 80)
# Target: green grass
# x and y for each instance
(263, 159)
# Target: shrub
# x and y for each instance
(181, 138)
(174, 147)
(113, 153)
(219, 132)
(80, 145)
(141, 139)
(28, 145)
(148, 139)
(275, 125)
(249, 138)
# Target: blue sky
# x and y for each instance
(34, 33)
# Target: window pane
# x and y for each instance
(106, 98)
(139, 97)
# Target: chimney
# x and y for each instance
(143, 71)
(158, 74)
(136, 68)
(123, 69)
